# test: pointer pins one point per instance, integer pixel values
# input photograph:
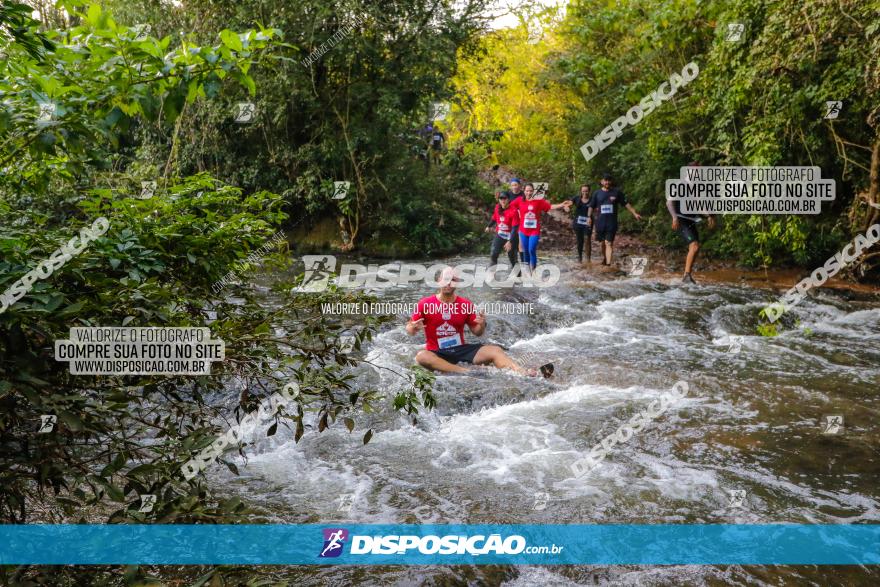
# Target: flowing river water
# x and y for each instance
(748, 444)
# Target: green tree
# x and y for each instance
(349, 115)
(119, 437)
(757, 102)
(511, 96)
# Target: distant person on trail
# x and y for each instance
(438, 142)
(582, 223)
(443, 317)
(687, 228)
(514, 194)
(425, 134)
(606, 200)
(530, 210)
(502, 220)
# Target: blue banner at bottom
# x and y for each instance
(449, 544)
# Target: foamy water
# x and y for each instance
(499, 448)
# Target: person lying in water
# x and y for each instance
(442, 317)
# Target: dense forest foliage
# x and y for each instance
(350, 115)
(93, 110)
(756, 101)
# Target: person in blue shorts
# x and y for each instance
(530, 210)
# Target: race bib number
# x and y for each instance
(503, 230)
(582, 220)
(447, 342)
(530, 221)
(606, 209)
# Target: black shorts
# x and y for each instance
(463, 353)
(605, 231)
(688, 230)
(586, 229)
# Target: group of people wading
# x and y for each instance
(517, 220)
(516, 223)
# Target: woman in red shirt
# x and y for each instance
(504, 221)
(530, 210)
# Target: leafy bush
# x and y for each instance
(119, 437)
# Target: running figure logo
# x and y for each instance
(318, 270)
(541, 499)
(735, 32)
(47, 112)
(832, 424)
(334, 539)
(346, 343)
(736, 498)
(345, 502)
(148, 501)
(244, 112)
(541, 190)
(638, 266)
(735, 345)
(340, 189)
(440, 110)
(142, 30)
(47, 423)
(148, 188)
(832, 109)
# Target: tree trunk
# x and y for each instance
(874, 187)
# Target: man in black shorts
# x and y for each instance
(606, 201)
(438, 141)
(514, 196)
(582, 223)
(443, 317)
(687, 228)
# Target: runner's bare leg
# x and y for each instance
(430, 360)
(693, 248)
(495, 355)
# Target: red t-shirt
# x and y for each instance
(505, 220)
(530, 216)
(444, 322)
(514, 205)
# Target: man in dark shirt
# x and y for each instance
(686, 225)
(514, 195)
(425, 135)
(582, 223)
(606, 201)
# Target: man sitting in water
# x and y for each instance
(442, 316)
